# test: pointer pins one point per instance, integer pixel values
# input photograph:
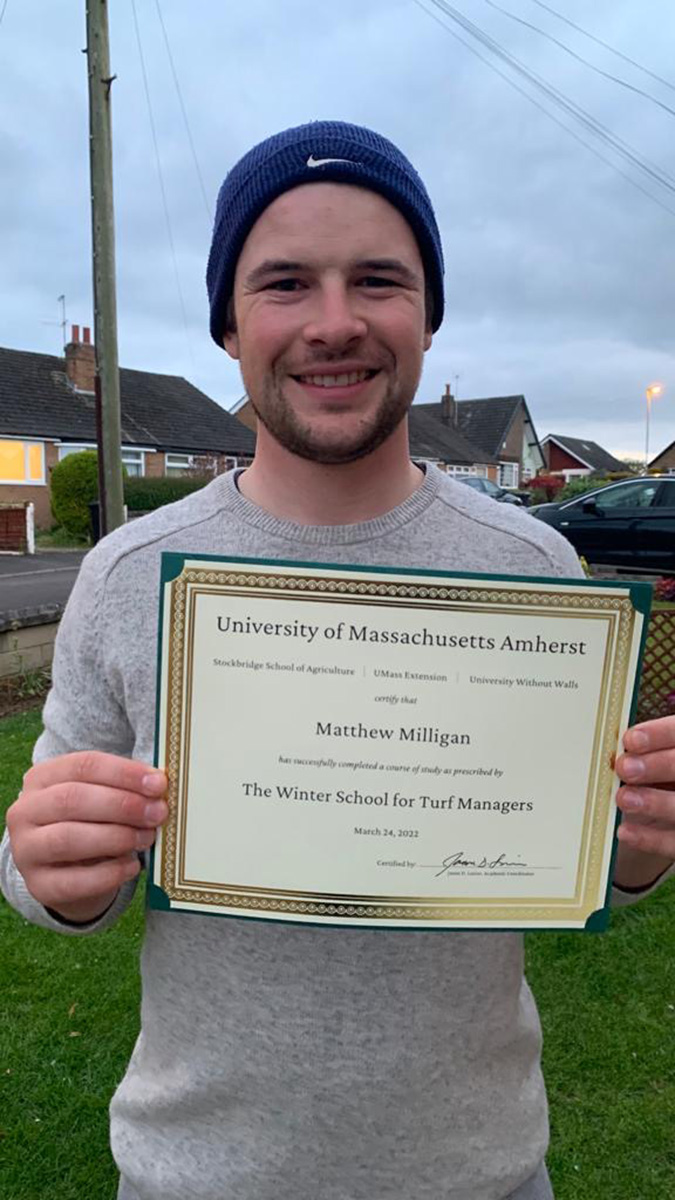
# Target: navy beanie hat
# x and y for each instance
(322, 150)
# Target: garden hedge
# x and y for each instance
(144, 495)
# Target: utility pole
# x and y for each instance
(103, 245)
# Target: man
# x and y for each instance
(303, 1063)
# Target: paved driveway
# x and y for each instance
(31, 580)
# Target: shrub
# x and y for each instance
(549, 485)
(586, 483)
(580, 485)
(74, 486)
(144, 495)
(664, 589)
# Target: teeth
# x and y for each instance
(328, 381)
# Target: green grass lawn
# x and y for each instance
(69, 1017)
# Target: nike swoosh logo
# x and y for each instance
(321, 162)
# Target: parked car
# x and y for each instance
(626, 524)
(488, 488)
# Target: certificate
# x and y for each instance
(391, 748)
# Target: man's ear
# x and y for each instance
(231, 343)
(428, 339)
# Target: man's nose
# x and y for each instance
(335, 321)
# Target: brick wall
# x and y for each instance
(27, 644)
(247, 416)
(154, 464)
(560, 460)
(513, 450)
(36, 494)
(81, 361)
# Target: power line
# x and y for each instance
(579, 57)
(552, 93)
(161, 182)
(568, 106)
(207, 206)
(532, 100)
(4, 9)
(606, 45)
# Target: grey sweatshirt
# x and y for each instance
(282, 1062)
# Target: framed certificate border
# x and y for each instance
(622, 608)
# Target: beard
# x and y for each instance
(299, 437)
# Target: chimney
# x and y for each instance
(448, 407)
(81, 360)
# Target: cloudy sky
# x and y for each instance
(560, 272)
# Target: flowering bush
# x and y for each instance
(550, 485)
(665, 588)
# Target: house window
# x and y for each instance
(22, 462)
(178, 464)
(508, 474)
(456, 469)
(232, 462)
(134, 462)
(74, 448)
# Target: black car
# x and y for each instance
(488, 488)
(626, 524)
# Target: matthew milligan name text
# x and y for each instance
(411, 733)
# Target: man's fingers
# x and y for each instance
(648, 805)
(82, 843)
(657, 766)
(649, 839)
(650, 735)
(56, 886)
(75, 802)
(94, 767)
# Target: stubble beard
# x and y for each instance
(279, 419)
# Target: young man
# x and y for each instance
(290, 1062)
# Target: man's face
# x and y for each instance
(330, 320)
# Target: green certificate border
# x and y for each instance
(250, 903)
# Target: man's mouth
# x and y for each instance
(343, 379)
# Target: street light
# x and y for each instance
(654, 389)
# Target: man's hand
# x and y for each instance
(647, 801)
(77, 826)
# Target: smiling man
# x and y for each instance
(288, 1062)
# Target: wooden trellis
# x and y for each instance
(657, 687)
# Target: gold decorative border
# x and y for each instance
(298, 584)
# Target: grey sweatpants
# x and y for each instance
(536, 1188)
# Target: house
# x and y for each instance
(243, 410)
(48, 410)
(435, 437)
(665, 461)
(503, 431)
(572, 457)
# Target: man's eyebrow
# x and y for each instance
(273, 266)
(283, 266)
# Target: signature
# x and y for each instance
(485, 864)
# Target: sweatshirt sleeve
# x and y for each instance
(82, 712)
(624, 896)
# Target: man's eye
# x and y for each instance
(283, 285)
(378, 281)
